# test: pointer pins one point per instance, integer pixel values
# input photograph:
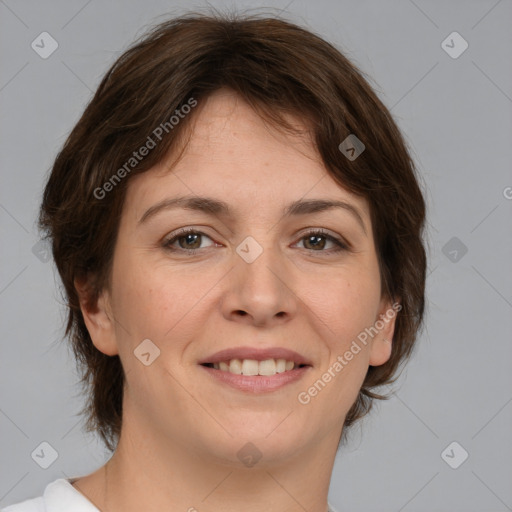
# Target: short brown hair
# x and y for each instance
(277, 67)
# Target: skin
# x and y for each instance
(181, 429)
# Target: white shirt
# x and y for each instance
(59, 496)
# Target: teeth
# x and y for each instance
(281, 365)
(267, 367)
(235, 366)
(252, 367)
(249, 367)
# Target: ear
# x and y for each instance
(382, 342)
(98, 318)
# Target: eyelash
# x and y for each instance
(167, 243)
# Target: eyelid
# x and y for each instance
(340, 243)
(173, 236)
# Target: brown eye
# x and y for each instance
(317, 241)
(190, 241)
(187, 240)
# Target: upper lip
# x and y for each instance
(257, 354)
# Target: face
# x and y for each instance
(254, 276)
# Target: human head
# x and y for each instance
(279, 69)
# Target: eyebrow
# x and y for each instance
(219, 208)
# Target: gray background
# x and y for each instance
(456, 114)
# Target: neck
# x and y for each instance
(148, 473)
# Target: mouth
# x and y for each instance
(253, 367)
(256, 370)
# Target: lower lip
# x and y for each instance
(257, 383)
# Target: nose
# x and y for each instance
(261, 293)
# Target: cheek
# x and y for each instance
(138, 298)
(346, 304)
(157, 301)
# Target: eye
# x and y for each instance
(188, 240)
(316, 241)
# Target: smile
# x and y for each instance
(256, 369)
(267, 367)
(249, 375)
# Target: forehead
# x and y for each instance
(234, 154)
(225, 119)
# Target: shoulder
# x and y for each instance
(59, 496)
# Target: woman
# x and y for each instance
(238, 227)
